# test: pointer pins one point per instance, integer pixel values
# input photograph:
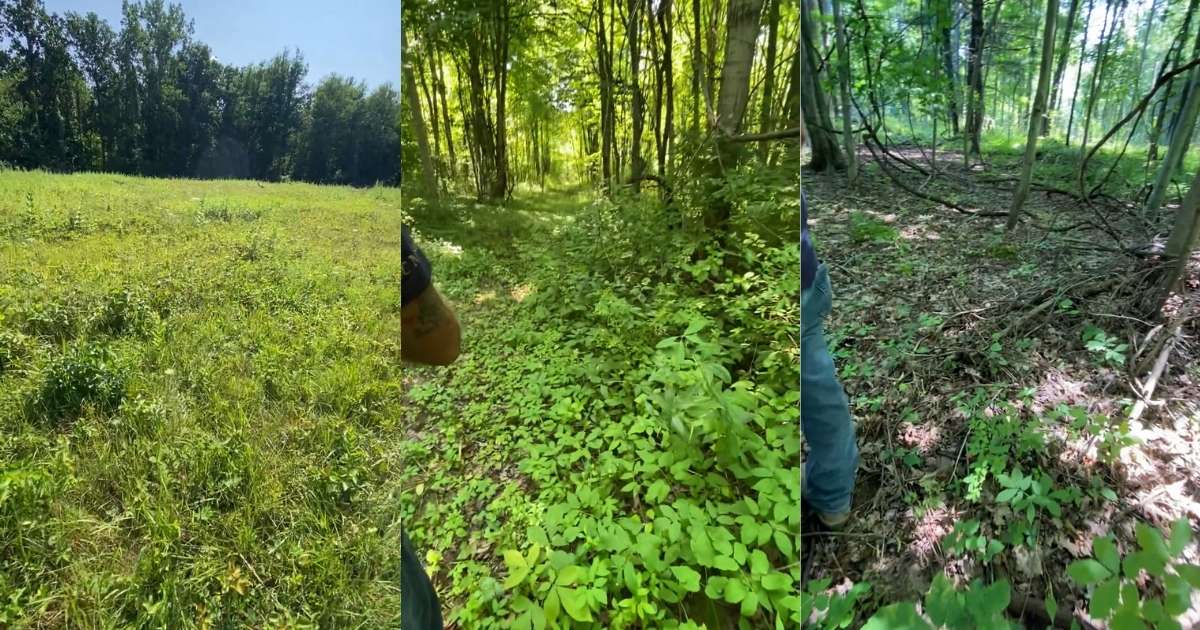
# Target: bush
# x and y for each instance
(79, 377)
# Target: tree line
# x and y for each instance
(147, 98)
(614, 92)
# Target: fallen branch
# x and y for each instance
(1160, 366)
(926, 196)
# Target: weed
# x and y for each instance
(83, 375)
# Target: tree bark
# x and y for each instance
(1035, 115)
(637, 112)
(975, 81)
(764, 110)
(449, 130)
(825, 151)
(741, 31)
(1064, 52)
(1114, 18)
(945, 23)
(428, 174)
(667, 84)
(697, 67)
(1079, 71)
(1180, 140)
(607, 133)
(843, 51)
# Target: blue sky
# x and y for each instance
(358, 38)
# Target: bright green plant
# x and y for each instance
(1108, 349)
(1113, 581)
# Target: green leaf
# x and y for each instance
(575, 603)
(1151, 541)
(701, 546)
(776, 581)
(944, 604)
(1126, 620)
(1189, 572)
(735, 591)
(783, 542)
(1087, 572)
(991, 600)
(1051, 603)
(1007, 495)
(749, 604)
(570, 575)
(688, 578)
(552, 607)
(901, 616)
(657, 491)
(1179, 595)
(518, 569)
(1181, 535)
(759, 565)
(1105, 551)
(1105, 598)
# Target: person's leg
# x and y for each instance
(824, 411)
(419, 607)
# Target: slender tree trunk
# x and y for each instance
(825, 152)
(975, 81)
(740, 35)
(449, 130)
(480, 127)
(501, 188)
(1114, 15)
(633, 34)
(764, 111)
(428, 175)
(945, 23)
(697, 67)
(667, 84)
(1173, 58)
(843, 52)
(607, 133)
(1180, 141)
(1064, 52)
(1035, 115)
(1185, 236)
(1079, 71)
(431, 104)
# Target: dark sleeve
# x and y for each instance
(415, 272)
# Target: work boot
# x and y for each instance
(814, 520)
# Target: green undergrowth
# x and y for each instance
(198, 399)
(618, 446)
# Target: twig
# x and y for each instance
(1160, 366)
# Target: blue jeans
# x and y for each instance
(824, 411)
(419, 607)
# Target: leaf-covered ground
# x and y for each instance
(618, 445)
(959, 393)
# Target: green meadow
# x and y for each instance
(199, 403)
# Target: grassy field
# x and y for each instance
(199, 400)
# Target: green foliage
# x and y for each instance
(867, 229)
(1107, 349)
(1113, 580)
(83, 375)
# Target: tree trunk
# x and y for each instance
(975, 81)
(825, 152)
(1179, 142)
(481, 129)
(667, 83)
(1079, 71)
(431, 105)
(500, 186)
(633, 35)
(843, 52)
(697, 67)
(946, 22)
(764, 110)
(740, 34)
(1114, 18)
(607, 133)
(1035, 115)
(449, 130)
(428, 175)
(1173, 57)
(1184, 238)
(1064, 52)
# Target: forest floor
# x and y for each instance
(951, 386)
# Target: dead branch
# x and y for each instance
(884, 166)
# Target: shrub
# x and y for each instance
(79, 377)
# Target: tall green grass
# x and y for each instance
(199, 394)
